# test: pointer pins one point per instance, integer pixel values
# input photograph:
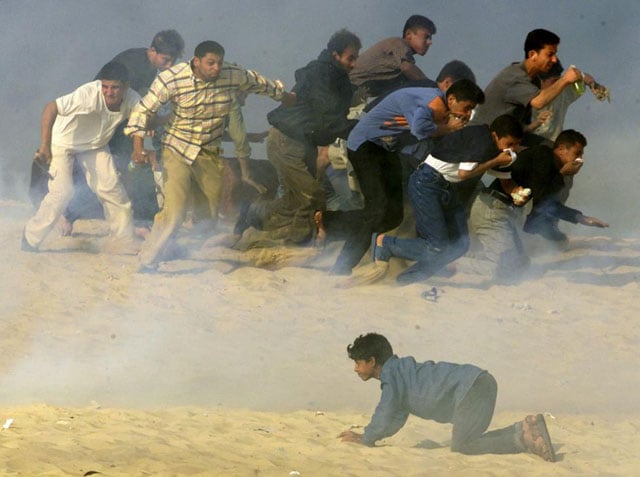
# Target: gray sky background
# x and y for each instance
(51, 47)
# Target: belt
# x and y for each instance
(504, 198)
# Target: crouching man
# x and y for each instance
(461, 394)
(494, 219)
(78, 126)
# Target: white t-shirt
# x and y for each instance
(450, 169)
(84, 122)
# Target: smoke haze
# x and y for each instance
(52, 47)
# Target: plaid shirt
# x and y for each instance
(199, 107)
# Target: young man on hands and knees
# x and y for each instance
(461, 394)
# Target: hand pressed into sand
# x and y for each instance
(350, 436)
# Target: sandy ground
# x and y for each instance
(217, 367)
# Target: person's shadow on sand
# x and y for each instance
(429, 444)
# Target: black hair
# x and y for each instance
(209, 47)
(466, 90)
(113, 71)
(371, 345)
(168, 42)
(537, 39)
(507, 125)
(456, 70)
(569, 137)
(341, 40)
(415, 22)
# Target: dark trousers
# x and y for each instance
(471, 419)
(441, 223)
(379, 173)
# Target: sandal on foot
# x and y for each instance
(536, 437)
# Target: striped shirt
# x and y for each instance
(199, 107)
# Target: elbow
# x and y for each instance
(537, 103)
(51, 108)
(464, 175)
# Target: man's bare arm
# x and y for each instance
(546, 95)
(49, 115)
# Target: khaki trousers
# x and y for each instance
(205, 173)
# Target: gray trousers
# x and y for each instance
(472, 417)
(497, 250)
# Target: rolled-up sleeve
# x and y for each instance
(149, 105)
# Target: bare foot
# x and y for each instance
(321, 233)
(142, 232)
(66, 227)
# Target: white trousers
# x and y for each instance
(103, 180)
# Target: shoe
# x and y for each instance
(25, 246)
(535, 437)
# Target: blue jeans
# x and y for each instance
(441, 224)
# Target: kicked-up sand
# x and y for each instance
(215, 366)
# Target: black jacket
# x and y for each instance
(324, 95)
(536, 168)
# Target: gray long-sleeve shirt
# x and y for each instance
(428, 390)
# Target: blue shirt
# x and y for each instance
(428, 390)
(404, 110)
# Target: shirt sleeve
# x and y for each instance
(421, 122)
(554, 208)
(80, 101)
(253, 82)
(157, 95)
(467, 166)
(388, 418)
(521, 92)
(131, 99)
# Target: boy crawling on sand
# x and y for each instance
(461, 394)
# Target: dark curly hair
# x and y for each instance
(370, 345)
